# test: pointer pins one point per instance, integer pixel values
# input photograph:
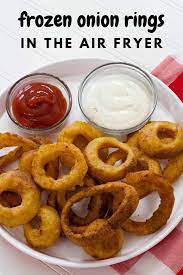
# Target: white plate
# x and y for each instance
(64, 252)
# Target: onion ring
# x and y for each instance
(50, 152)
(146, 182)
(41, 140)
(44, 229)
(52, 168)
(128, 204)
(81, 129)
(12, 140)
(59, 199)
(143, 162)
(80, 134)
(103, 171)
(94, 206)
(132, 140)
(161, 139)
(25, 164)
(9, 140)
(174, 168)
(107, 244)
(8, 198)
(22, 184)
(63, 196)
(11, 157)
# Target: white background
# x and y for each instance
(16, 62)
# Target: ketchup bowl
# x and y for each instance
(39, 103)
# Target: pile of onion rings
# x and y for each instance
(93, 238)
(92, 183)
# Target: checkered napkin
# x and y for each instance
(166, 258)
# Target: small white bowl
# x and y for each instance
(109, 69)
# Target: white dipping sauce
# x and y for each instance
(117, 101)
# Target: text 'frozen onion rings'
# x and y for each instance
(146, 182)
(80, 235)
(22, 184)
(103, 171)
(44, 229)
(50, 152)
(161, 139)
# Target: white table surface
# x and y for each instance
(16, 62)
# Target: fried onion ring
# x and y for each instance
(94, 206)
(25, 164)
(13, 140)
(143, 162)
(78, 129)
(174, 168)
(107, 244)
(41, 140)
(50, 152)
(146, 182)
(11, 157)
(80, 235)
(132, 140)
(80, 134)
(22, 184)
(103, 171)
(59, 199)
(44, 229)
(9, 140)
(161, 139)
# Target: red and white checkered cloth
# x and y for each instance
(166, 258)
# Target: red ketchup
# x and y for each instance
(39, 105)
